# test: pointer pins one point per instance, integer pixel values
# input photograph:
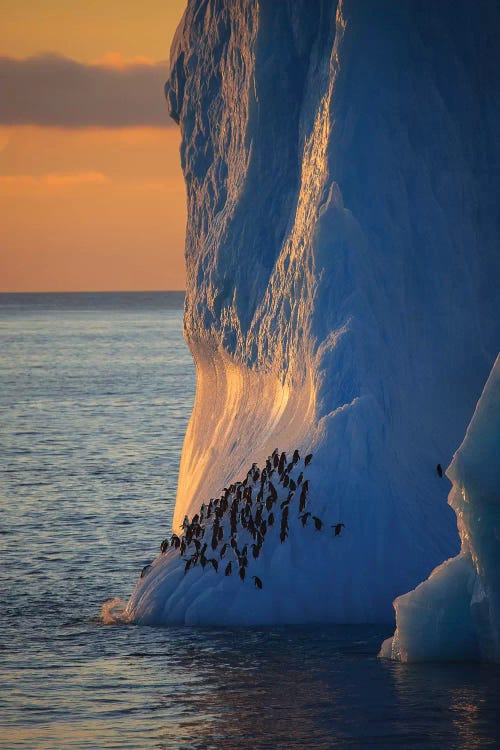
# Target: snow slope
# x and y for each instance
(342, 169)
(455, 614)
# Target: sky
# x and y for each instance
(92, 196)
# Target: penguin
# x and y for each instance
(307, 459)
(283, 535)
(228, 569)
(303, 496)
(197, 544)
(292, 485)
(270, 519)
(257, 581)
(251, 527)
(304, 518)
(242, 573)
(276, 459)
(175, 541)
(145, 570)
(164, 546)
(255, 550)
(203, 560)
(223, 550)
(269, 503)
(281, 463)
(286, 480)
(263, 528)
(296, 456)
(439, 470)
(300, 477)
(318, 523)
(183, 546)
(338, 528)
(215, 564)
(273, 492)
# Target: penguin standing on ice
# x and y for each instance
(281, 463)
(307, 459)
(257, 581)
(439, 470)
(228, 569)
(338, 528)
(318, 523)
(164, 546)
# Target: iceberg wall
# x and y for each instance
(455, 614)
(342, 168)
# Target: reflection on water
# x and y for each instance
(97, 391)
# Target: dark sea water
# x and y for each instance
(95, 394)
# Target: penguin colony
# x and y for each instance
(229, 531)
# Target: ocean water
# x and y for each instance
(95, 394)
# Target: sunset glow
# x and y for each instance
(91, 192)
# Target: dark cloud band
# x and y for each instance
(50, 90)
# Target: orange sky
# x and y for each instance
(99, 207)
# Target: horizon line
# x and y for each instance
(99, 291)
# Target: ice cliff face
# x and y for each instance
(455, 614)
(342, 169)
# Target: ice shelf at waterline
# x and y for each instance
(342, 169)
(455, 614)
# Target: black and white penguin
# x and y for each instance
(307, 459)
(439, 470)
(281, 463)
(318, 523)
(338, 528)
(257, 581)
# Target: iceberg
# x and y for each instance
(455, 614)
(342, 165)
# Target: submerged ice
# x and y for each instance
(455, 614)
(342, 287)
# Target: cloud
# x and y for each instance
(55, 91)
(23, 182)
